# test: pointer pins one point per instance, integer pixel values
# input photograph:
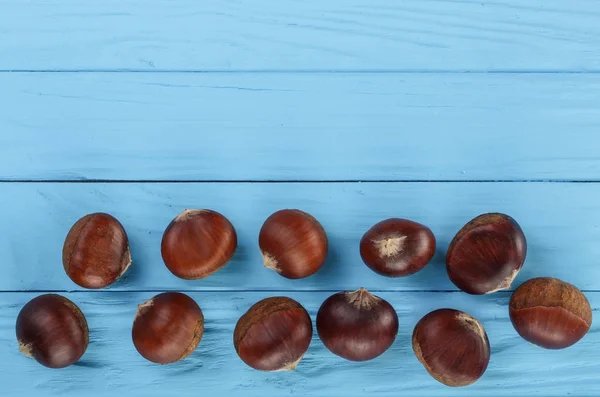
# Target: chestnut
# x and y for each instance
(293, 243)
(198, 243)
(397, 247)
(486, 254)
(167, 328)
(550, 313)
(52, 330)
(273, 335)
(96, 251)
(452, 346)
(357, 326)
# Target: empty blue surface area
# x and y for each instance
(352, 110)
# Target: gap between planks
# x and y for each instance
(308, 71)
(282, 181)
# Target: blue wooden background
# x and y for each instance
(353, 110)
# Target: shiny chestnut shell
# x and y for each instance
(293, 243)
(486, 254)
(273, 335)
(397, 247)
(357, 326)
(168, 327)
(550, 313)
(198, 243)
(96, 251)
(452, 346)
(52, 330)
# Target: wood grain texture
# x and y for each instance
(111, 366)
(560, 221)
(315, 34)
(299, 127)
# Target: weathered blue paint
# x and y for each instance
(292, 35)
(299, 126)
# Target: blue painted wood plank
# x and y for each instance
(111, 366)
(299, 127)
(560, 221)
(315, 34)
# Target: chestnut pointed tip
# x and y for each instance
(26, 349)
(361, 298)
(292, 366)
(471, 323)
(270, 262)
(390, 246)
(506, 283)
(143, 307)
(128, 263)
(188, 213)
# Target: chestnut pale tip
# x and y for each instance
(270, 262)
(362, 299)
(390, 246)
(187, 213)
(26, 349)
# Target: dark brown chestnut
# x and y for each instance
(452, 346)
(293, 243)
(96, 251)
(52, 330)
(397, 247)
(273, 335)
(167, 328)
(486, 254)
(550, 313)
(357, 326)
(198, 243)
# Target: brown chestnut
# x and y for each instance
(52, 330)
(550, 313)
(167, 328)
(486, 254)
(452, 346)
(198, 243)
(293, 243)
(357, 326)
(96, 251)
(397, 247)
(273, 335)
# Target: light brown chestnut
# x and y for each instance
(198, 243)
(452, 346)
(397, 247)
(168, 327)
(96, 251)
(357, 326)
(487, 254)
(550, 313)
(293, 243)
(52, 330)
(273, 335)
